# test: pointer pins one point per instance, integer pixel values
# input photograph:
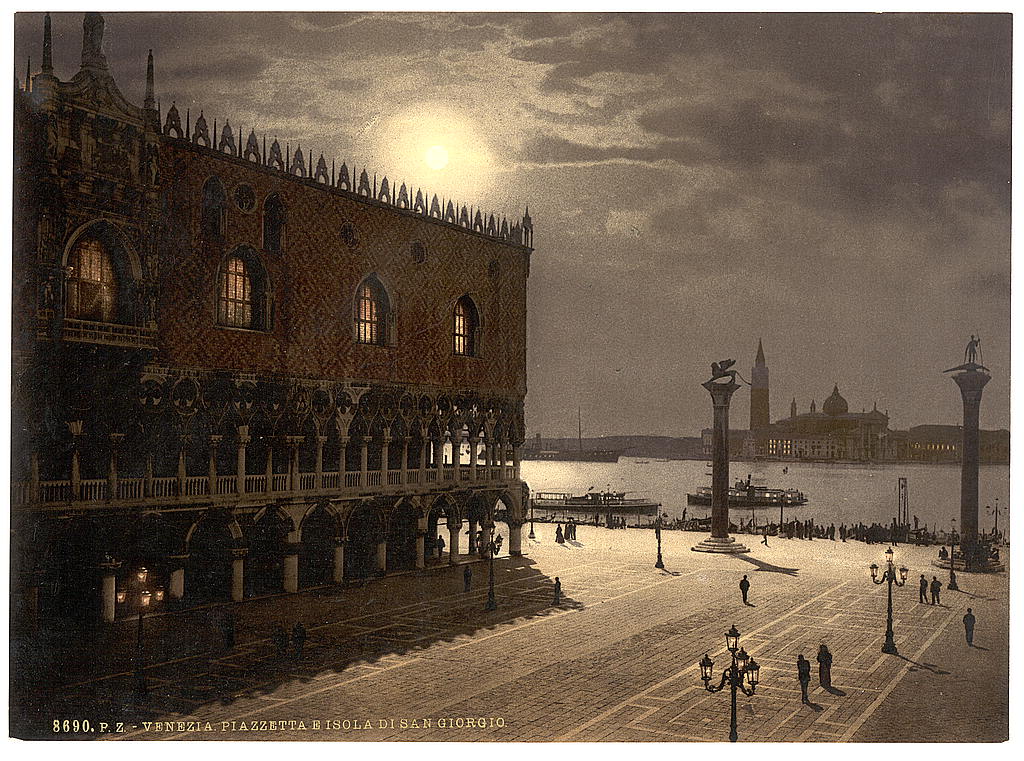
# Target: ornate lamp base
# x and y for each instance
(726, 545)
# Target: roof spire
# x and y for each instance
(92, 42)
(759, 360)
(148, 103)
(28, 75)
(47, 46)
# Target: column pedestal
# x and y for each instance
(453, 543)
(515, 539)
(421, 562)
(382, 558)
(237, 577)
(291, 571)
(339, 563)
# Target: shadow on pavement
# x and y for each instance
(922, 666)
(362, 627)
(763, 566)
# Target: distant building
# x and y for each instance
(760, 410)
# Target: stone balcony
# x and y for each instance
(86, 331)
(254, 489)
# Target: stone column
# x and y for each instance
(176, 586)
(472, 536)
(342, 460)
(515, 538)
(318, 482)
(182, 474)
(384, 454)
(212, 472)
(109, 610)
(439, 455)
(423, 461)
(421, 536)
(243, 439)
(34, 469)
(454, 530)
(405, 459)
(293, 462)
(720, 541)
(364, 457)
(382, 557)
(237, 575)
(291, 563)
(147, 484)
(269, 470)
(971, 383)
(75, 426)
(516, 458)
(474, 442)
(339, 562)
(112, 479)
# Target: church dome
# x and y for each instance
(835, 404)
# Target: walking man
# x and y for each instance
(922, 595)
(764, 536)
(467, 577)
(969, 627)
(744, 588)
(440, 546)
(803, 673)
(936, 588)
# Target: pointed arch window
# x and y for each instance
(92, 283)
(215, 210)
(464, 329)
(372, 314)
(273, 223)
(242, 297)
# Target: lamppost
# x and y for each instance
(493, 547)
(531, 535)
(952, 574)
(742, 666)
(994, 511)
(657, 533)
(889, 575)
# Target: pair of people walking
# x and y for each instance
(803, 670)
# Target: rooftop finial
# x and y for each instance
(47, 46)
(149, 103)
(92, 42)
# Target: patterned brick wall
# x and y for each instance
(315, 277)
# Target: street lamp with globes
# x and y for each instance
(743, 666)
(889, 576)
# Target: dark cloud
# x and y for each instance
(554, 150)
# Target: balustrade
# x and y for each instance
(255, 484)
(307, 481)
(331, 480)
(280, 482)
(226, 485)
(353, 478)
(394, 478)
(94, 489)
(373, 478)
(131, 488)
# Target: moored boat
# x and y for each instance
(746, 494)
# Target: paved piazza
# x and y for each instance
(616, 661)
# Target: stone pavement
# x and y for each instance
(617, 661)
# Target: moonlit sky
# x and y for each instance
(838, 185)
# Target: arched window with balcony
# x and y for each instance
(243, 299)
(273, 223)
(214, 212)
(466, 322)
(92, 282)
(372, 313)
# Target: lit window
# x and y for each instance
(464, 332)
(234, 305)
(371, 314)
(92, 287)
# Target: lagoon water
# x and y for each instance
(837, 493)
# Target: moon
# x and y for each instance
(436, 157)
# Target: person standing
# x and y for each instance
(558, 592)
(559, 537)
(969, 627)
(440, 546)
(764, 536)
(825, 667)
(936, 589)
(803, 673)
(744, 588)
(467, 577)
(298, 638)
(922, 590)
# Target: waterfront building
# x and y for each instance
(238, 368)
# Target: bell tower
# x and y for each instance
(760, 415)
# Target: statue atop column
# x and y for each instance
(971, 352)
(92, 41)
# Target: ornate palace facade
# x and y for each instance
(238, 370)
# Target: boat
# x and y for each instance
(642, 462)
(572, 455)
(596, 502)
(747, 494)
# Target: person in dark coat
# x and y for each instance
(559, 537)
(467, 577)
(969, 627)
(558, 592)
(440, 546)
(298, 638)
(825, 667)
(936, 589)
(744, 588)
(922, 591)
(281, 641)
(803, 673)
